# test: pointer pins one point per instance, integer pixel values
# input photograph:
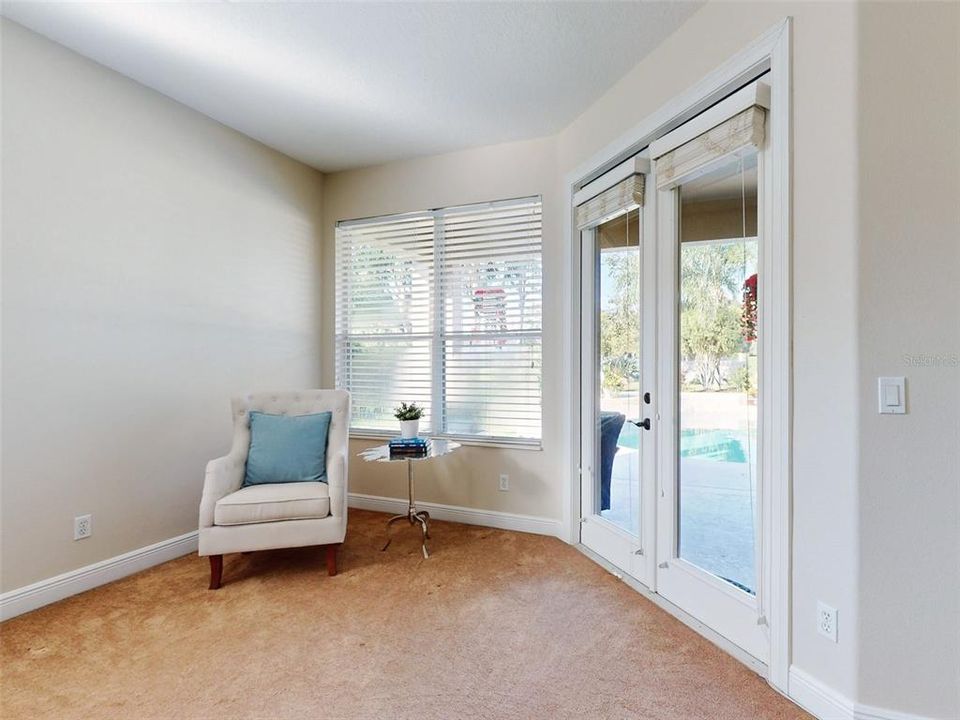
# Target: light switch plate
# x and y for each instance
(892, 395)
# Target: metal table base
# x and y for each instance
(413, 516)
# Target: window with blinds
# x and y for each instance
(443, 308)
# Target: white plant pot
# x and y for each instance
(409, 428)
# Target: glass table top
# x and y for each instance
(381, 453)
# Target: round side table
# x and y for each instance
(381, 453)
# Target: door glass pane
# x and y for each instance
(718, 372)
(618, 370)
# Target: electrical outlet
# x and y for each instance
(827, 621)
(504, 482)
(82, 527)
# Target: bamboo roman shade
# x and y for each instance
(711, 148)
(626, 194)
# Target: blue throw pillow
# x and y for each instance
(287, 448)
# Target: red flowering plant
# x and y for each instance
(748, 321)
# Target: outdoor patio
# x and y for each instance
(717, 491)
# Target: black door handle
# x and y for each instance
(645, 423)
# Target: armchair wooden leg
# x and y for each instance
(332, 559)
(216, 571)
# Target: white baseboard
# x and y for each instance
(31, 597)
(818, 699)
(826, 703)
(453, 513)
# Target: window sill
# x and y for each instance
(506, 444)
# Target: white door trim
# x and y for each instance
(771, 51)
(776, 454)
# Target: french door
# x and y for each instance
(618, 365)
(673, 380)
(709, 502)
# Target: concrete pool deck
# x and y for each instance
(717, 512)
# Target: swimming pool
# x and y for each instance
(720, 445)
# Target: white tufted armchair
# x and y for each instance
(263, 517)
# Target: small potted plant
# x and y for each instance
(409, 417)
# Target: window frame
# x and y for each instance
(437, 336)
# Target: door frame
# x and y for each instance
(771, 52)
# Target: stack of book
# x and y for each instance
(409, 447)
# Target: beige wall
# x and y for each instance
(469, 478)
(154, 264)
(909, 206)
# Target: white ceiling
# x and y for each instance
(347, 84)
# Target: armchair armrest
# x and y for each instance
(224, 476)
(337, 482)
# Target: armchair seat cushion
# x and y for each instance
(273, 502)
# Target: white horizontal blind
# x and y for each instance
(444, 308)
(491, 286)
(384, 309)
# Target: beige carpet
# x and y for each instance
(494, 625)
